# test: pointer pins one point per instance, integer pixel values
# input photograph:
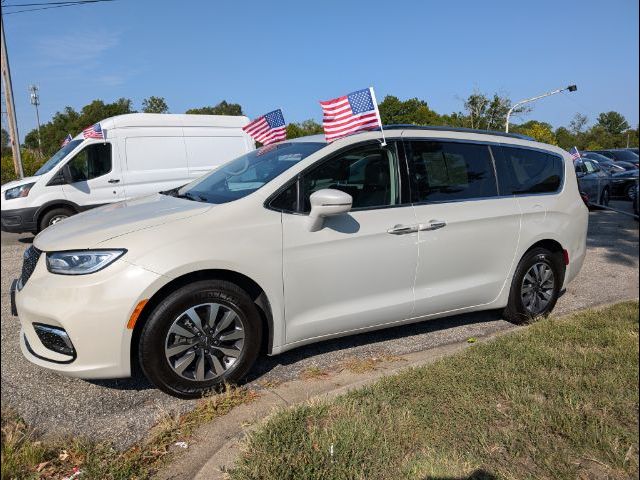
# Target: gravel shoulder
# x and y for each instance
(123, 410)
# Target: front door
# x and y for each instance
(358, 270)
(468, 234)
(96, 176)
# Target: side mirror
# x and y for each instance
(327, 203)
(66, 174)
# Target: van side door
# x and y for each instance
(95, 176)
(468, 232)
(358, 270)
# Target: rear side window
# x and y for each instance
(450, 171)
(522, 171)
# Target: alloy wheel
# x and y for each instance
(537, 288)
(204, 341)
(57, 219)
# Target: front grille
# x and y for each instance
(30, 260)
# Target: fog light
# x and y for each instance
(54, 338)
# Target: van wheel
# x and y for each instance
(535, 286)
(200, 337)
(54, 216)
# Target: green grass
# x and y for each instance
(26, 455)
(557, 400)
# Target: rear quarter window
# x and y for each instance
(523, 171)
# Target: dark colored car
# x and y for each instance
(634, 150)
(608, 165)
(593, 182)
(619, 155)
(623, 184)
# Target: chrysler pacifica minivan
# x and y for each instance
(299, 242)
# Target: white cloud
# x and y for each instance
(75, 49)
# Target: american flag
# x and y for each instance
(94, 131)
(268, 128)
(575, 154)
(349, 114)
(67, 139)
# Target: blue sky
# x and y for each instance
(269, 54)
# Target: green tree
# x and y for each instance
(413, 111)
(566, 139)
(222, 108)
(72, 122)
(540, 131)
(4, 139)
(613, 122)
(302, 129)
(577, 123)
(155, 105)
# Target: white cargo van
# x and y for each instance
(142, 153)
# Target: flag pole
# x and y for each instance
(375, 104)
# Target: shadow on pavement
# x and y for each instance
(616, 234)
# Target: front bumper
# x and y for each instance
(19, 220)
(92, 309)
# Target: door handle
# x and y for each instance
(114, 180)
(402, 229)
(432, 225)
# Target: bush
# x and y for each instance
(32, 160)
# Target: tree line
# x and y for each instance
(480, 111)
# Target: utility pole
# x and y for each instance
(11, 109)
(35, 101)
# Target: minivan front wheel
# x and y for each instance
(535, 286)
(201, 336)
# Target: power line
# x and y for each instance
(40, 4)
(68, 4)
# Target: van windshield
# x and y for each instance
(59, 155)
(247, 173)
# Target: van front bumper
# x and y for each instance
(89, 312)
(19, 220)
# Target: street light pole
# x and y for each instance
(11, 108)
(570, 88)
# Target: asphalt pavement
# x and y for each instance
(123, 410)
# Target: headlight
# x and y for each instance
(17, 192)
(81, 262)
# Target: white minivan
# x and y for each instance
(141, 153)
(299, 242)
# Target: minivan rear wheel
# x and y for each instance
(535, 286)
(200, 337)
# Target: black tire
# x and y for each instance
(53, 216)
(516, 311)
(151, 352)
(605, 197)
(629, 192)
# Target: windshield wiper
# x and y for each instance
(191, 196)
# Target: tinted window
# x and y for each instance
(625, 155)
(287, 200)
(522, 171)
(59, 155)
(91, 162)
(367, 173)
(449, 171)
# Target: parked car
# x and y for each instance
(593, 181)
(619, 155)
(636, 201)
(607, 164)
(299, 242)
(142, 153)
(623, 184)
(634, 150)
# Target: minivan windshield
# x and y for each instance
(247, 173)
(59, 155)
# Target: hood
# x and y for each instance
(627, 174)
(17, 183)
(88, 229)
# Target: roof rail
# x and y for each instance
(456, 129)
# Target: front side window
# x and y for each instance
(93, 161)
(450, 171)
(368, 173)
(524, 171)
